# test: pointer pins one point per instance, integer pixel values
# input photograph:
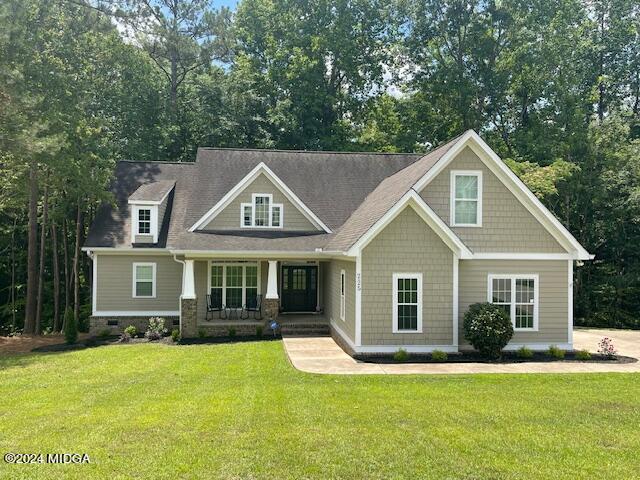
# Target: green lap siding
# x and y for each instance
(114, 286)
(553, 294)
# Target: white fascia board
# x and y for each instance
(126, 251)
(514, 184)
(242, 184)
(524, 256)
(412, 199)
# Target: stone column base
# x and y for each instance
(188, 317)
(270, 308)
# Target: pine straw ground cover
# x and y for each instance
(240, 410)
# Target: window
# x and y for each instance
(144, 221)
(234, 284)
(518, 296)
(466, 199)
(407, 303)
(261, 212)
(342, 295)
(144, 280)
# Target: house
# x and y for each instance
(386, 250)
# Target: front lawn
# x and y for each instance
(241, 411)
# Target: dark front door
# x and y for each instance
(299, 288)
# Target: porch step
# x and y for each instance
(304, 328)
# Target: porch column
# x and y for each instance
(271, 299)
(188, 301)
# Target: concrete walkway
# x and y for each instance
(323, 355)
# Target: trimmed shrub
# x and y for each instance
(439, 356)
(556, 352)
(524, 352)
(259, 330)
(155, 330)
(175, 335)
(401, 355)
(488, 328)
(106, 333)
(583, 355)
(131, 331)
(70, 327)
(202, 333)
(232, 332)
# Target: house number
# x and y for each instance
(358, 282)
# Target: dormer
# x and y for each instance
(148, 205)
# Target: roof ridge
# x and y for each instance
(165, 162)
(332, 152)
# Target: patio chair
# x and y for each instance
(253, 305)
(214, 304)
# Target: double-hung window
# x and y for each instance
(466, 198)
(234, 284)
(407, 303)
(517, 295)
(144, 280)
(144, 221)
(261, 212)
(342, 294)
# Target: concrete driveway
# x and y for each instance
(323, 355)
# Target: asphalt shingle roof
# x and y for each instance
(347, 191)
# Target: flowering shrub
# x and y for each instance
(488, 328)
(606, 348)
(156, 329)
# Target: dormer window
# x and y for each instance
(144, 221)
(261, 212)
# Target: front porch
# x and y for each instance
(244, 296)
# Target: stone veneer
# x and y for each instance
(99, 324)
(270, 308)
(189, 320)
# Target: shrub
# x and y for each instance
(106, 333)
(606, 348)
(70, 327)
(401, 355)
(488, 328)
(156, 329)
(202, 333)
(583, 355)
(232, 332)
(556, 352)
(175, 335)
(439, 356)
(131, 331)
(524, 352)
(259, 331)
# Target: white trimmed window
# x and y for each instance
(466, 198)
(261, 212)
(407, 303)
(343, 305)
(518, 296)
(237, 284)
(144, 280)
(144, 221)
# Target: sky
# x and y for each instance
(225, 3)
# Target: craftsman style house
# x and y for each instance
(383, 250)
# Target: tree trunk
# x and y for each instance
(56, 278)
(13, 274)
(76, 265)
(43, 237)
(67, 279)
(32, 263)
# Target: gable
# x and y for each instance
(507, 225)
(292, 217)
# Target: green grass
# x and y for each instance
(242, 411)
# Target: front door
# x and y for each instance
(299, 288)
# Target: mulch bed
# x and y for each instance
(507, 357)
